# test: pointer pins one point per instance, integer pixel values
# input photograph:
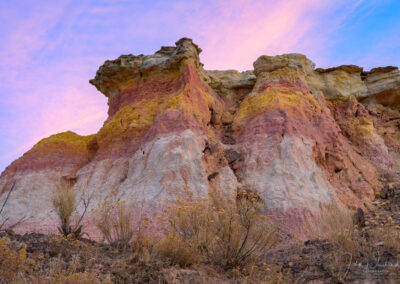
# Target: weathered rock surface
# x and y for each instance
(384, 86)
(380, 85)
(294, 153)
(299, 137)
(231, 84)
(339, 82)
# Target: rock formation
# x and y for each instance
(299, 137)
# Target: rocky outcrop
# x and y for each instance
(294, 153)
(231, 84)
(379, 85)
(37, 176)
(299, 137)
(383, 86)
(338, 82)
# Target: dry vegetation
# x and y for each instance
(115, 223)
(65, 205)
(12, 261)
(4, 220)
(198, 240)
(206, 240)
(347, 243)
(337, 226)
(228, 235)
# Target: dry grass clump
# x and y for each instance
(337, 226)
(347, 240)
(228, 235)
(345, 234)
(116, 222)
(265, 273)
(65, 204)
(63, 272)
(391, 240)
(389, 236)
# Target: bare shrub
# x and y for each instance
(3, 225)
(65, 203)
(227, 235)
(115, 222)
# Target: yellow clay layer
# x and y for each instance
(272, 98)
(137, 118)
(69, 138)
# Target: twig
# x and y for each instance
(86, 205)
(7, 197)
(7, 218)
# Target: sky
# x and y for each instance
(50, 49)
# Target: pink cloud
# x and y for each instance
(49, 101)
(28, 35)
(56, 96)
(234, 33)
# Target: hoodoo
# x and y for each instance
(300, 138)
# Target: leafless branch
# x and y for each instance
(7, 197)
(12, 226)
(86, 203)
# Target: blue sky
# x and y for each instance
(50, 49)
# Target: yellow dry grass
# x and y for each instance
(115, 222)
(12, 261)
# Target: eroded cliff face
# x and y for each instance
(299, 137)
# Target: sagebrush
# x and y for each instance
(226, 235)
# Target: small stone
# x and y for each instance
(212, 176)
(231, 155)
(359, 218)
(228, 140)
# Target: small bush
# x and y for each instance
(80, 278)
(227, 235)
(115, 222)
(12, 261)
